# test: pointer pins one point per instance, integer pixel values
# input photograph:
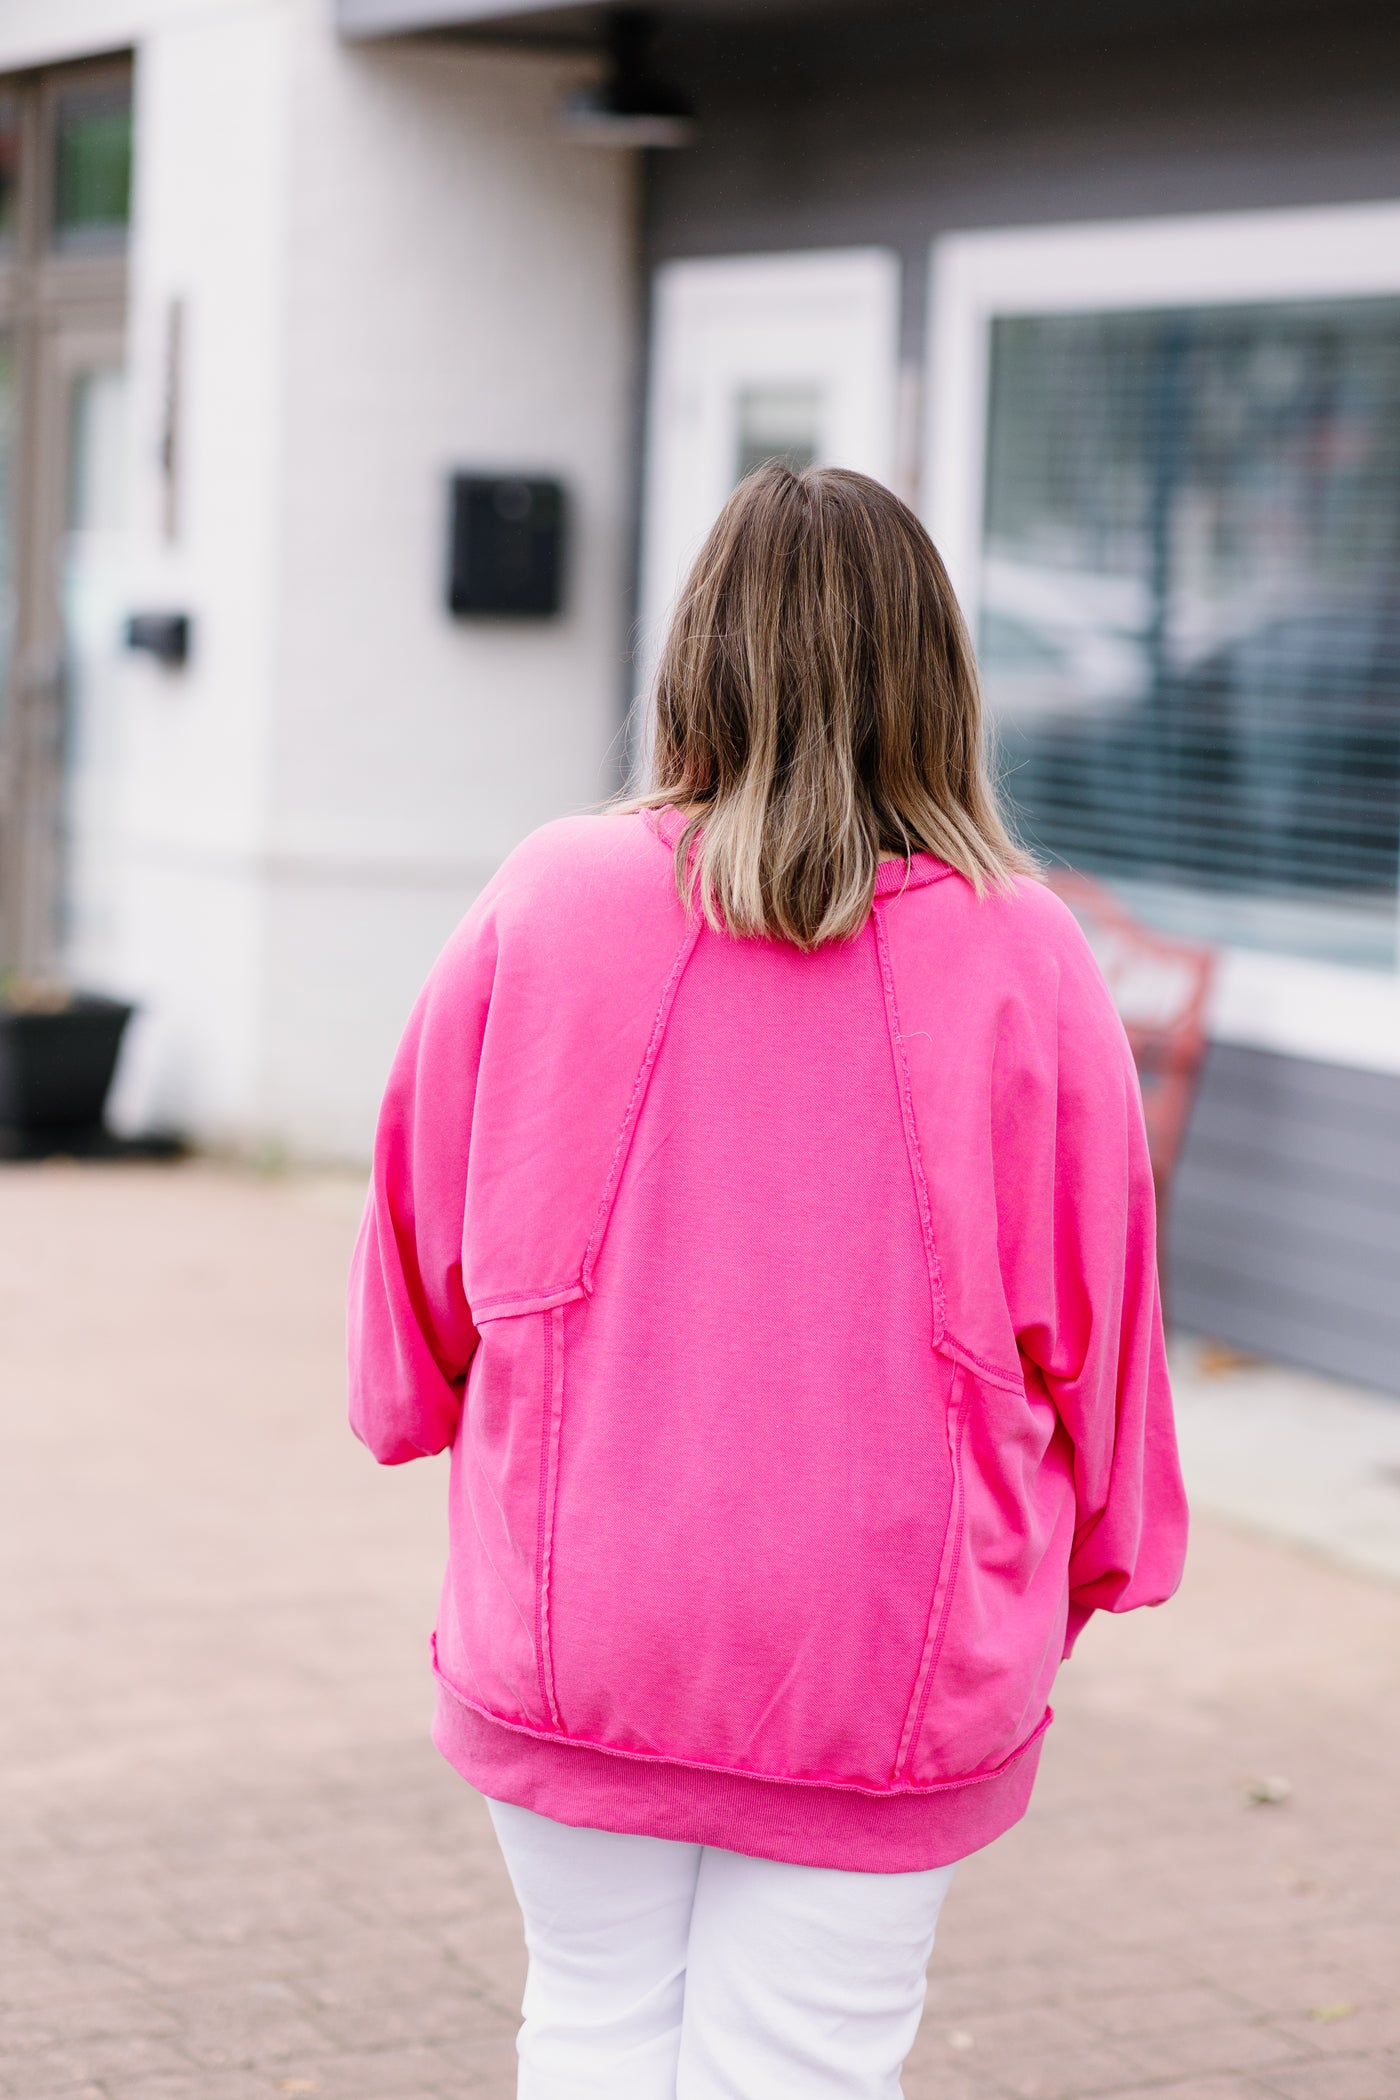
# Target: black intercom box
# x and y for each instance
(506, 546)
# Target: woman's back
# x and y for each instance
(768, 1367)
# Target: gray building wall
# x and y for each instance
(1285, 1235)
(896, 127)
(1285, 1227)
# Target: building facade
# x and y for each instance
(1112, 295)
(337, 276)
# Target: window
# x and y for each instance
(1190, 610)
(91, 163)
(778, 423)
(9, 166)
(1162, 463)
(7, 528)
(65, 182)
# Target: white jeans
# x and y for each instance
(662, 1971)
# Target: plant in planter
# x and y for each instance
(58, 1051)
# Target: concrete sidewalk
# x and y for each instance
(1291, 1455)
(235, 1867)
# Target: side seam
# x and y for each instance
(943, 1586)
(552, 1411)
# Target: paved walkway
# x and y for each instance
(1293, 1455)
(235, 1866)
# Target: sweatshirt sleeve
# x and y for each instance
(410, 1329)
(1094, 1326)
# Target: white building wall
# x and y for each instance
(50, 32)
(390, 265)
(460, 288)
(188, 932)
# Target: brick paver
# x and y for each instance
(235, 1866)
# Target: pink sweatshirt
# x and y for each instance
(793, 1322)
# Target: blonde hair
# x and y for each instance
(815, 707)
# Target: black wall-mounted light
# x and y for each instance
(630, 106)
(163, 635)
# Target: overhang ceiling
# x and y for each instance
(549, 22)
(947, 25)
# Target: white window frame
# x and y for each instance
(1301, 1008)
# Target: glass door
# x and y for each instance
(11, 303)
(90, 384)
(7, 537)
(65, 161)
(790, 357)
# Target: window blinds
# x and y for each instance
(1190, 610)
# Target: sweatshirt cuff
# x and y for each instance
(1079, 1617)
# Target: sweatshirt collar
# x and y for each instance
(892, 877)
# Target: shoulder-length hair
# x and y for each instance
(816, 708)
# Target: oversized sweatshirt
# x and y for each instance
(793, 1324)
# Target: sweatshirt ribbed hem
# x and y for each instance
(807, 1826)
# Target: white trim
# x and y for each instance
(373, 18)
(1300, 1008)
(1328, 1011)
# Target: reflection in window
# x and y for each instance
(7, 528)
(92, 599)
(92, 163)
(778, 422)
(9, 167)
(1191, 610)
(97, 450)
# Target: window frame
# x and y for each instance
(1338, 1013)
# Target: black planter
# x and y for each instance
(55, 1069)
